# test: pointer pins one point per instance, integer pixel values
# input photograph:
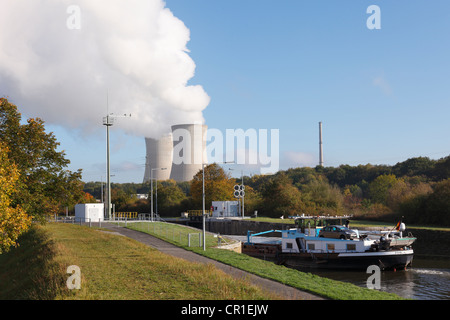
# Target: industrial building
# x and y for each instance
(223, 209)
(180, 153)
(89, 212)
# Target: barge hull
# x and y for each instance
(388, 260)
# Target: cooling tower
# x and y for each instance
(189, 150)
(159, 155)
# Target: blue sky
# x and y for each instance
(383, 95)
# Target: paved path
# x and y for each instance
(289, 293)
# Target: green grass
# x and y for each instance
(112, 268)
(324, 287)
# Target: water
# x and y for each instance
(426, 280)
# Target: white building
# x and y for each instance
(89, 212)
(225, 209)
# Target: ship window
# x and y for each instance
(330, 246)
(351, 247)
(311, 246)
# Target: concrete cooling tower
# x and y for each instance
(189, 150)
(159, 155)
(181, 152)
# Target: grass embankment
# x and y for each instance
(178, 235)
(112, 267)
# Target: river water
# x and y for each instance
(425, 280)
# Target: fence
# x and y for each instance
(76, 220)
(126, 215)
(198, 213)
(175, 233)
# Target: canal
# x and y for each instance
(427, 279)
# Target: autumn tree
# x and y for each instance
(13, 220)
(437, 205)
(281, 197)
(218, 186)
(379, 188)
(322, 197)
(170, 198)
(44, 184)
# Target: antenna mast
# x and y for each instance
(108, 122)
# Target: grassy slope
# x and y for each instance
(112, 267)
(304, 281)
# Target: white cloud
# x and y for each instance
(294, 159)
(136, 50)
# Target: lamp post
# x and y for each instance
(243, 196)
(203, 200)
(151, 188)
(108, 122)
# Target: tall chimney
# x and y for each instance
(320, 145)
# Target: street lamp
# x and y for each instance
(203, 196)
(151, 187)
(108, 122)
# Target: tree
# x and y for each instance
(281, 197)
(44, 185)
(218, 186)
(13, 220)
(322, 196)
(438, 204)
(379, 188)
(414, 167)
(170, 198)
(441, 170)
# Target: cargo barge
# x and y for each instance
(309, 245)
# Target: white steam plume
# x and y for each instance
(135, 50)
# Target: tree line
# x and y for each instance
(417, 189)
(34, 180)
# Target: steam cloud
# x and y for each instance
(135, 50)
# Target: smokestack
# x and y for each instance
(320, 145)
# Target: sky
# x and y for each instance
(382, 94)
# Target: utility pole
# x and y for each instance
(243, 195)
(151, 191)
(203, 202)
(108, 122)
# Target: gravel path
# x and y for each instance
(289, 293)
